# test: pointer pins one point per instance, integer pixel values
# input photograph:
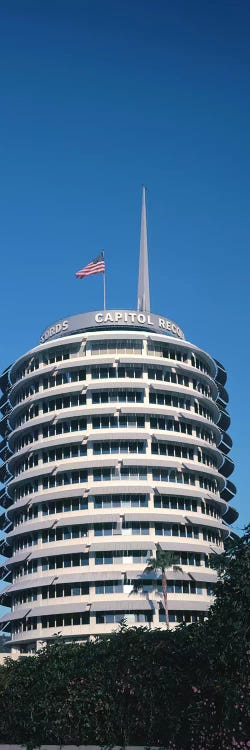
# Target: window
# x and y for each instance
(171, 449)
(119, 446)
(123, 420)
(130, 396)
(170, 475)
(60, 479)
(116, 346)
(113, 617)
(119, 501)
(168, 399)
(63, 402)
(121, 556)
(181, 616)
(162, 350)
(108, 587)
(166, 501)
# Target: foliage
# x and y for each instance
(183, 690)
(4, 639)
(160, 563)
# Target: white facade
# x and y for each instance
(113, 441)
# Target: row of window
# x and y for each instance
(182, 503)
(161, 349)
(134, 528)
(73, 504)
(105, 474)
(51, 592)
(108, 372)
(50, 621)
(58, 506)
(179, 617)
(174, 587)
(111, 346)
(63, 452)
(50, 430)
(158, 349)
(133, 501)
(63, 377)
(117, 557)
(26, 368)
(52, 381)
(181, 451)
(191, 532)
(56, 404)
(103, 618)
(120, 473)
(73, 400)
(59, 354)
(116, 346)
(115, 501)
(141, 556)
(170, 475)
(113, 447)
(26, 392)
(54, 454)
(58, 591)
(108, 421)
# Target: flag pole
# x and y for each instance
(104, 284)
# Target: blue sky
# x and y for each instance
(98, 97)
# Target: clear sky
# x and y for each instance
(96, 98)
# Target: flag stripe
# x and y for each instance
(94, 266)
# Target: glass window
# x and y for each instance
(178, 588)
(75, 590)
(99, 589)
(67, 620)
(67, 561)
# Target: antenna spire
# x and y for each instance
(143, 301)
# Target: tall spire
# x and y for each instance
(143, 301)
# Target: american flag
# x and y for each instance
(95, 266)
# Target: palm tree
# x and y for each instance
(162, 561)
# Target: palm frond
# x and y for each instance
(177, 568)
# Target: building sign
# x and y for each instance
(111, 319)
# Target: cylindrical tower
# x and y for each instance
(114, 440)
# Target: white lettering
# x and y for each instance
(120, 317)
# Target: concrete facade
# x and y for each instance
(114, 439)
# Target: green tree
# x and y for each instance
(184, 689)
(159, 565)
(222, 688)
